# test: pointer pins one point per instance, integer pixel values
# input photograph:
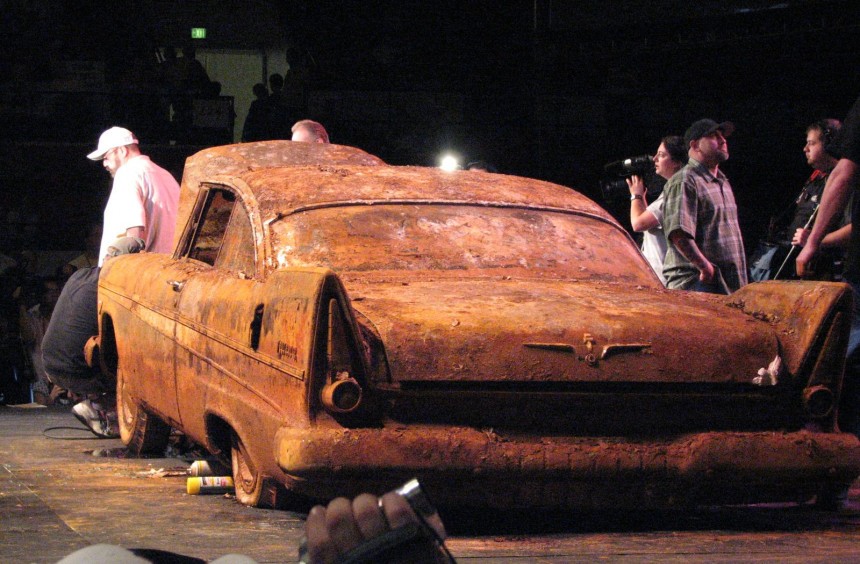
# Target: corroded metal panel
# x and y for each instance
(559, 331)
(797, 310)
(244, 157)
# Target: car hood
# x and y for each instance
(526, 331)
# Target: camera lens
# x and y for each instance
(613, 185)
(426, 512)
(418, 500)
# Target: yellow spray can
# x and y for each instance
(209, 485)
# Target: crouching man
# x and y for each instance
(73, 323)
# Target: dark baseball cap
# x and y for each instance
(705, 127)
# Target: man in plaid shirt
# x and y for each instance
(706, 251)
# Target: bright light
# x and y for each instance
(449, 163)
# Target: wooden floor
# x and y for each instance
(58, 495)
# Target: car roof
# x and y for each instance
(285, 177)
(286, 190)
(241, 158)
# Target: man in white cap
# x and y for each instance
(144, 197)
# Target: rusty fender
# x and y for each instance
(806, 310)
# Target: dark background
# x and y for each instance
(547, 89)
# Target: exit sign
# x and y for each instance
(198, 33)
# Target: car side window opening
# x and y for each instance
(224, 238)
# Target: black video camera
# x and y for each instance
(613, 184)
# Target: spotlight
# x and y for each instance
(449, 163)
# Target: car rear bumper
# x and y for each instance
(717, 466)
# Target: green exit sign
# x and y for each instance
(198, 33)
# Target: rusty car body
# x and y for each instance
(329, 324)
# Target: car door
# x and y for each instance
(217, 321)
(138, 291)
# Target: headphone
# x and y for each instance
(829, 128)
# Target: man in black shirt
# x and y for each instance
(770, 259)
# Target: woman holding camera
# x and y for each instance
(670, 158)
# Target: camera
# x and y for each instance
(613, 184)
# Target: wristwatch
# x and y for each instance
(637, 197)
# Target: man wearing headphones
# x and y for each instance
(775, 257)
(818, 137)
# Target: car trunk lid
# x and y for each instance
(509, 331)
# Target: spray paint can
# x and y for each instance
(209, 485)
(207, 468)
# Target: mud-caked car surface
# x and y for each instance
(329, 324)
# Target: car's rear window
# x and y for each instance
(456, 237)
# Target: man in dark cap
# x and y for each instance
(706, 251)
(73, 323)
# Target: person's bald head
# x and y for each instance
(309, 131)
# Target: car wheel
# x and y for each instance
(141, 432)
(252, 488)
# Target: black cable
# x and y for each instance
(90, 437)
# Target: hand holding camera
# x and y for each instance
(400, 526)
(637, 187)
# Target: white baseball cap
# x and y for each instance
(111, 139)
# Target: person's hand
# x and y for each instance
(636, 185)
(800, 237)
(333, 531)
(707, 275)
(803, 259)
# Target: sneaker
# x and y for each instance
(101, 422)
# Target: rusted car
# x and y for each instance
(329, 324)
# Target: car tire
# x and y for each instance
(141, 432)
(253, 488)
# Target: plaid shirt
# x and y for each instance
(703, 206)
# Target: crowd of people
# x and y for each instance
(691, 237)
(274, 109)
(27, 299)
